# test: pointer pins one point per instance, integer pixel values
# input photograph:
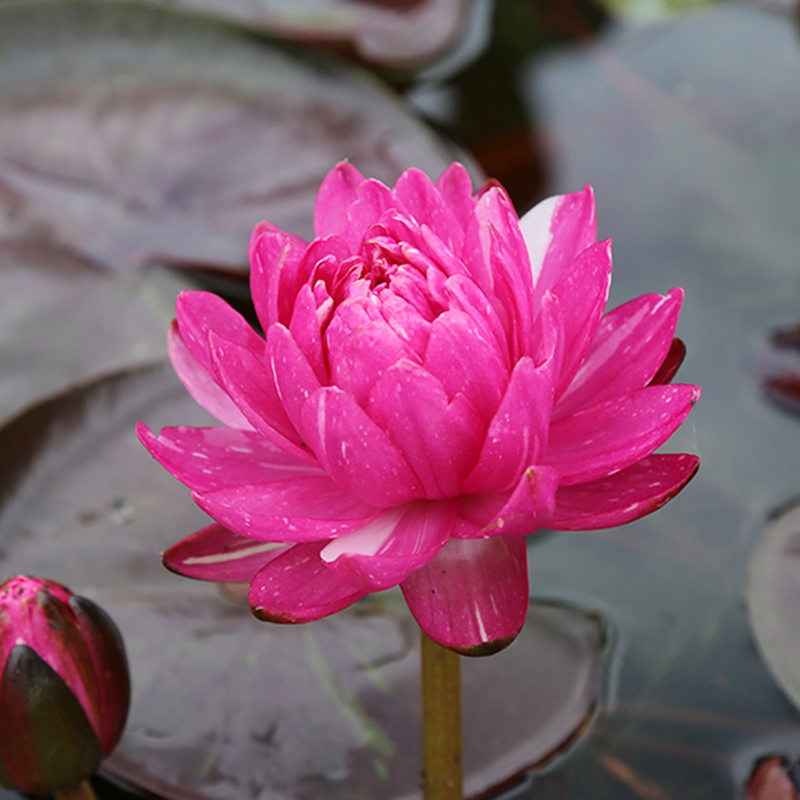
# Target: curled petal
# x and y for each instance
(303, 509)
(337, 192)
(624, 496)
(390, 547)
(517, 434)
(275, 261)
(439, 439)
(355, 452)
(298, 587)
(201, 384)
(207, 459)
(373, 199)
(671, 363)
(473, 596)
(306, 330)
(602, 439)
(217, 554)
(630, 346)
(455, 187)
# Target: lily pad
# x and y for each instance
(63, 319)
(397, 33)
(122, 140)
(773, 597)
(225, 706)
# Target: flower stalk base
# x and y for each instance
(83, 791)
(442, 767)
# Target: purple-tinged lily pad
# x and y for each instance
(132, 135)
(773, 598)
(228, 707)
(397, 33)
(63, 319)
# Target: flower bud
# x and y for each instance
(64, 686)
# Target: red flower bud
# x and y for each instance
(64, 686)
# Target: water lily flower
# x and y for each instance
(438, 378)
(64, 686)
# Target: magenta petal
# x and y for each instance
(355, 452)
(627, 495)
(336, 193)
(217, 554)
(199, 313)
(305, 327)
(298, 510)
(245, 378)
(582, 292)
(373, 199)
(294, 378)
(455, 187)
(671, 363)
(602, 439)
(415, 190)
(517, 434)
(556, 231)
(465, 361)
(523, 510)
(440, 440)
(390, 547)
(201, 384)
(298, 587)
(629, 347)
(207, 459)
(473, 596)
(275, 261)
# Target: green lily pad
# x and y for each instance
(226, 706)
(131, 135)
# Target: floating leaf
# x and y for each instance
(226, 706)
(122, 140)
(63, 319)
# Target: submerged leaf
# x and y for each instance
(224, 705)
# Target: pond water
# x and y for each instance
(688, 128)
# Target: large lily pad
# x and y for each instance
(131, 134)
(63, 319)
(225, 706)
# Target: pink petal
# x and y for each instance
(303, 509)
(523, 510)
(217, 554)
(291, 372)
(373, 199)
(389, 548)
(624, 496)
(439, 440)
(602, 439)
(631, 343)
(298, 587)
(473, 596)
(556, 231)
(671, 363)
(496, 256)
(275, 263)
(245, 378)
(582, 292)
(455, 186)
(517, 434)
(415, 190)
(336, 193)
(206, 459)
(466, 362)
(201, 384)
(305, 327)
(355, 452)
(199, 313)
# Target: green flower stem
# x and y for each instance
(83, 791)
(442, 771)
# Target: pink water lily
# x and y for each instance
(438, 378)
